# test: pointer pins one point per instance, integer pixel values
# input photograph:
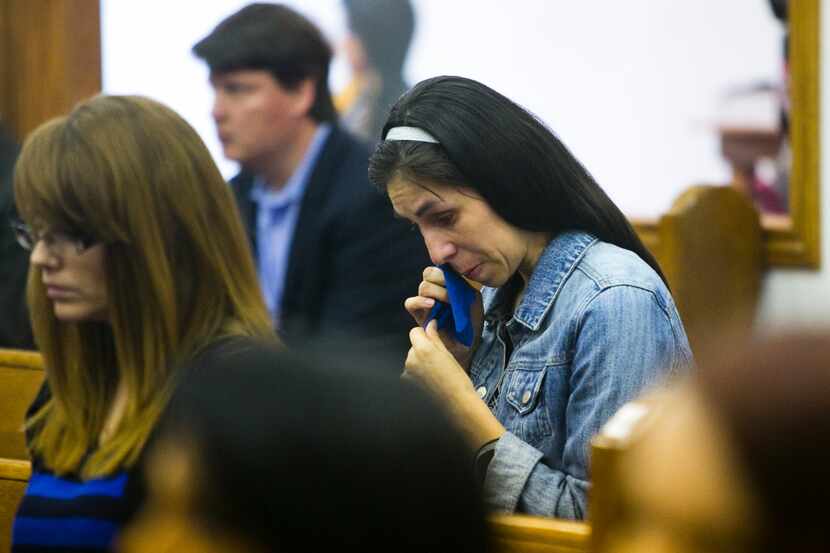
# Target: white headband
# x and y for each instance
(410, 133)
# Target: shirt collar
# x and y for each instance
(557, 262)
(294, 188)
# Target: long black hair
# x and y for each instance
(494, 146)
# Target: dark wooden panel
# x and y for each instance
(51, 59)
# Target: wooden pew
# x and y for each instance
(526, 534)
(14, 475)
(608, 449)
(21, 375)
(709, 245)
(529, 534)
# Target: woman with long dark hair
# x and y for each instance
(574, 317)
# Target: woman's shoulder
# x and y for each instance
(607, 265)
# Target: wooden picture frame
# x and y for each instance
(792, 240)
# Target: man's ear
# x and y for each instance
(304, 95)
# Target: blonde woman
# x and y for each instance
(139, 268)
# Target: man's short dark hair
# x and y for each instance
(277, 39)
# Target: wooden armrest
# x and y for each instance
(21, 359)
(523, 533)
(15, 469)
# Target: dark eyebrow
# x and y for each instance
(425, 207)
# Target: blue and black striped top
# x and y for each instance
(67, 514)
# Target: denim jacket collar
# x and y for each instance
(557, 261)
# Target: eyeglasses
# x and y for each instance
(56, 242)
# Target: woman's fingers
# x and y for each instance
(434, 336)
(424, 354)
(418, 307)
(434, 275)
(427, 339)
(418, 337)
(429, 289)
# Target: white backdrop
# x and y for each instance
(634, 88)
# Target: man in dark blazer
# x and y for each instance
(333, 261)
(15, 330)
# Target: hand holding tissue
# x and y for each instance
(455, 317)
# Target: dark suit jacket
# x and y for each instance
(351, 263)
(15, 330)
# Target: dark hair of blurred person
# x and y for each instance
(290, 452)
(139, 265)
(774, 405)
(735, 459)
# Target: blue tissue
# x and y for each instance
(455, 316)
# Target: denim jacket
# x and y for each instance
(596, 325)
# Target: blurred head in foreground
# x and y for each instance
(736, 460)
(278, 452)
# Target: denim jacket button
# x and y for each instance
(525, 397)
(482, 391)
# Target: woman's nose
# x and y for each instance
(41, 256)
(440, 250)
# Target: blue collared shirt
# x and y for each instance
(596, 325)
(276, 219)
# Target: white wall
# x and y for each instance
(634, 88)
(799, 297)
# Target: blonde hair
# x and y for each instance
(133, 175)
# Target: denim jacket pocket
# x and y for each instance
(527, 414)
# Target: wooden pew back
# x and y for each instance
(709, 245)
(21, 375)
(608, 449)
